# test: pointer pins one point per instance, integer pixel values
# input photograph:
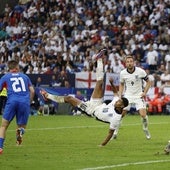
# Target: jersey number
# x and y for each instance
(18, 84)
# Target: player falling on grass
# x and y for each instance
(110, 113)
(20, 93)
(132, 87)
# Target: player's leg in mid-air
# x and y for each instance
(97, 92)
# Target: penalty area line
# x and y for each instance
(126, 164)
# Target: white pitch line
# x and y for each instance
(63, 127)
(134, 124)
(92, 126)
(126, 164)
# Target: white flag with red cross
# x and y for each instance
(85, 80)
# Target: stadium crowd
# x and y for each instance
(54, 36)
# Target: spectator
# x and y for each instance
(156, 104)
(69, 65)
(3, 34)
(66, 84)
(165, 78)
(152, 59)
(38, 82)
(63, 78)
(117, 67)
(30, 70)
(54, 82)
(167, 60)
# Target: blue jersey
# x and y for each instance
(18, 96)
(17, 85)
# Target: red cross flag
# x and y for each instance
(85, 80)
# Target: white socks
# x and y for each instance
(99, 69)
(145, 122)
(58, 99)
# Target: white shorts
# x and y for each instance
(92, 105)
(138, 103)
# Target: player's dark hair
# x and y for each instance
(125, 101)
(129, 56)
(12, 64)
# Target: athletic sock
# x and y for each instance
(145, 122)
(1, 142)
(116, 131)
(58, 99)
(99, 69)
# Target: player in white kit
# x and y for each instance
(110, 113)
(132, 87)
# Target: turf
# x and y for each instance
(71, 143)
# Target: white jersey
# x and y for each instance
(104, 112)
(133, 82)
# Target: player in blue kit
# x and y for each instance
(20, 93)
(109, 113)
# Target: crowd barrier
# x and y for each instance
(77, 81)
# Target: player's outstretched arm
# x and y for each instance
(121, 89)
(114, 89)
(108, 137)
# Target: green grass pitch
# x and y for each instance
(71, 143)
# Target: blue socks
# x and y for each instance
(1, 142)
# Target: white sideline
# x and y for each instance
(126, 164)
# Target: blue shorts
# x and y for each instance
(19, 109)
